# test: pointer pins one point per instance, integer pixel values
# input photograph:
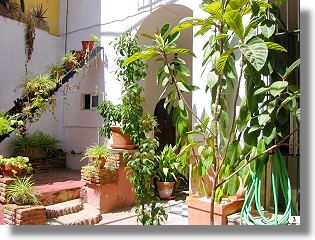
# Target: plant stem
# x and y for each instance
(254, 158)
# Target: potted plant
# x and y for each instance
(112, 115)
(15, 166)
(97, 155)
(167, 171)
(70, 61)
(56, 71)
(22, 192)
(226, 144)
(88, 45)
(37, 145)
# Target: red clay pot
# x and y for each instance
(8, 171)
(69, 65)
(88, 45)
(120, 140)
(199, 210)
(103, 161)
(165, 190)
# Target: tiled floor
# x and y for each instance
(176, 209)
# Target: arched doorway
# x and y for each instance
(166, 132)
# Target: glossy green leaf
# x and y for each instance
(187, 23)
(131, 59)
(214, 9)
(263, 118)
(233, 185)
(180, 50)
(256, 52)
(212, 79)
(181, 104)
(277, 88)
(164, 29)
(293, 66)
(268, 28)
(234, 20)
(220, 64)
(275, 46)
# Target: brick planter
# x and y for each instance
(24, 215)
(103, 176)
(110, 196)
(4, 182)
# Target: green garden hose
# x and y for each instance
(279, 174)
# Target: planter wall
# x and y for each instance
(111, 196)
(103, 176)
(199, 210)
(24, 215)
(4, 182)
(46, 164)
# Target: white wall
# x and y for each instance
(47, 50)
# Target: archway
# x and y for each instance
(166, 132)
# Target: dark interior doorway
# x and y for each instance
(166, 132)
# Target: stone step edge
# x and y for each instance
(93, 216)
(64, 208)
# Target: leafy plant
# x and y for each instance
(95, 38)
(96, 153)
(37, 139)
(5, 126)
(227, 143)
(69, 57)
(56, 71)
(19, 162)
(167, 164)
(37, 85)
(22, 192)
(39, 12)
(142, 172)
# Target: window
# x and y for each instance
(90, 101)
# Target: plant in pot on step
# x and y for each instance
(97, 154)
(56, 72)
(167, 171)
(226, 144)
(23, 192)
(70, 61)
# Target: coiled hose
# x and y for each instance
(279, 174)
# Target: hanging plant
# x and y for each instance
(29, 40)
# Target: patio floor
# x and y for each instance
(54, 184)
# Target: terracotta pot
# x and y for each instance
(165, 190)
(120, 140)
(199, 210)
(103, 161)
(69, 65)
(8, 171)
(88, 45)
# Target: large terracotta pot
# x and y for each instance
(199, 210)
(8, 171)
(120, 140)
(165, 190)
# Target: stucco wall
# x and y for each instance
(47, 50)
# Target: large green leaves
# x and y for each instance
(255, 51)
(234, 20)
(220, 64)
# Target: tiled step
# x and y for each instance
(89, 215)
(64, 208)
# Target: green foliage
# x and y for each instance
(168, 164)
(37, 139)
(231, 137)
(23, 192)
(142, 165)
(5, 126)
(19, 162)
(96, 153)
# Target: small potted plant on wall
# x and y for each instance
(88, 45)
(112, 115)
(167, 171)
(97, 154)
(70, 61)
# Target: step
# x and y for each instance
(64, 208)
(89, 215)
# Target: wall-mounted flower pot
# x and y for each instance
(120, 140)
(69, 65)
(199, 210)
(79, 55)
(165, 190)
(88, 45)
